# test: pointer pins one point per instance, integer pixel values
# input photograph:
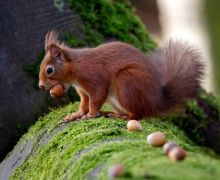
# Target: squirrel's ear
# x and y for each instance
(55, 51)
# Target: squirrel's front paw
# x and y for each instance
(73, 116)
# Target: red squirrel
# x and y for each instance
(135, 84)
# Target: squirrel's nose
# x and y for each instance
(41, 85)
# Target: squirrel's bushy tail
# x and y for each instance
(181, 70)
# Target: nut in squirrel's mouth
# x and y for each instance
(58, 89)
(65, 86)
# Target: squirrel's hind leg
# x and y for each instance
(135, 93)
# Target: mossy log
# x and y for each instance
(86, 149)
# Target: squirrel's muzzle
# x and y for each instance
(41, 85)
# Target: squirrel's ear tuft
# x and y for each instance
(54, 47)
(51, 38)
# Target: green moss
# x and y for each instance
(150, 163)
(201, 120)
(107, 19)
(81, 146)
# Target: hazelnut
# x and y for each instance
(56, 91)
(116, 171)
(134, 125)
(177, 154)
(168, 146)
(156, 139)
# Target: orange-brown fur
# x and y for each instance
(138, 85)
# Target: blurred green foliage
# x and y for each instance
(112, 19)
(212, 12)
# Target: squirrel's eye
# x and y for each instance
(50, 70)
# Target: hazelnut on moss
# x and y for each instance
(156, 139)
(177, 154)
(168, 146)
(134, 125)
(116, 170)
